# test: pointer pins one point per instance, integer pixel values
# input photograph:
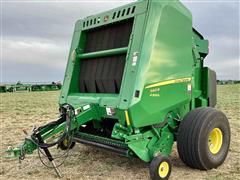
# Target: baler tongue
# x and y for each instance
(64, 128)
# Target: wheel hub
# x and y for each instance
(163, 169)
(215, 140)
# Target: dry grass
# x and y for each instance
(22, 110)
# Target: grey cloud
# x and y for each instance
(37, 37)
(215, 18)
(38, 52)
(28, 72)
(43, 31)
(218, 21)
(54, 20)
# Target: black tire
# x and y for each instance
(64, 145)
(194, 140)
(155, 166)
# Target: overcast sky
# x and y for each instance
(36, 36)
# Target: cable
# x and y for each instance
(53, 124)
(67, 134)
(65, 155)
(68, 148)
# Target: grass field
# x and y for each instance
(23, 110)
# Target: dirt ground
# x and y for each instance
(23, 110)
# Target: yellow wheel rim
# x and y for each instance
(163, 169)
(65, 142)
(215, 140)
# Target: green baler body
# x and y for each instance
(163, 77)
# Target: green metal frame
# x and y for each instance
(164, 63)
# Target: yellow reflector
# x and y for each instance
(127, 117)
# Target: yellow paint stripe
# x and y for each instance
(181, 80)
(127, 117)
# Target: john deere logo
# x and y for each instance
(105, 19)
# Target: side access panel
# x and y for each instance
(165, 69)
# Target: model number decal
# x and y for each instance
(154, 92)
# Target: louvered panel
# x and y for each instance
(101, 75)
(104, 75)
(109, 37)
